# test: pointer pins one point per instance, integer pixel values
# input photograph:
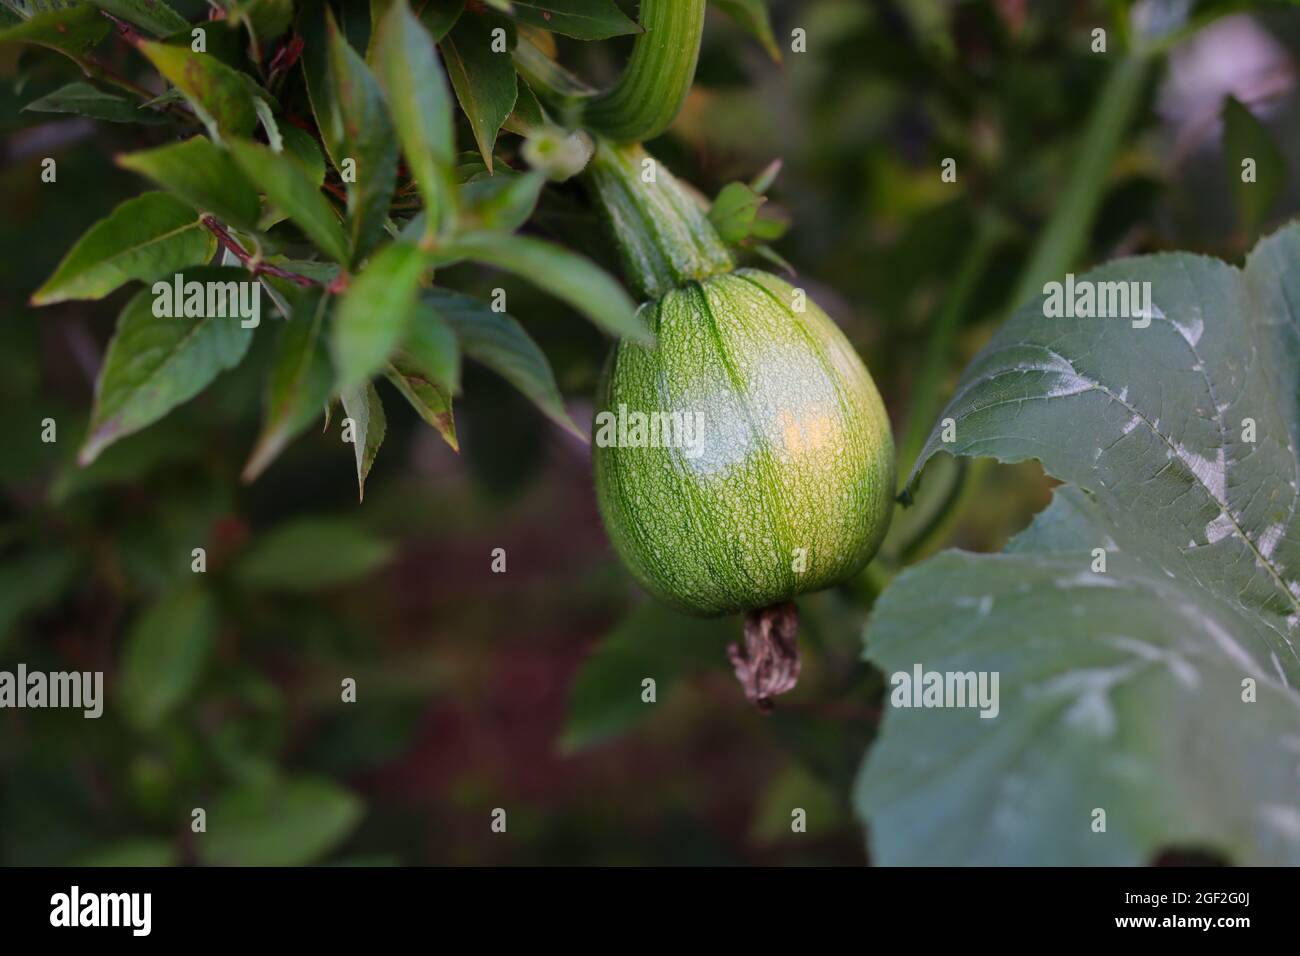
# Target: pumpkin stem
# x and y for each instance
(768, 664)
(663, 232)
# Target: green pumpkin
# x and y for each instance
(769, 471)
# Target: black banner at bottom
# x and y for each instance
(336, 905)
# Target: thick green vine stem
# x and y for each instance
(663, 233)
(644, 101)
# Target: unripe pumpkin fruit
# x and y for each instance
(792, 485)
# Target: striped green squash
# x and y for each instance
(769, 471)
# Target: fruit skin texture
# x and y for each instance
(794, 452)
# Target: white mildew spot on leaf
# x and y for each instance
(1091, 709)
(1220, 528)
(1232, 650)
(1066, 380)
(1277, 666)
(1269, 539)
(981, 605)
(1285, 820)
(1069, 385)
(1176, 662)
(1089, 579)
(1190, 331)
(1212, 473)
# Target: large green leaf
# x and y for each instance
(500, 343)
(363, 133)
(299, 384)
(583, 19)
(221, 96)
(483, 78)
(82, 99)
(165, 654)
(1124, 690)
(653, 642)
(310, 554)
(366, 412)
(74, 31)
(564, 274)
(155, 363)
(420, 104)
(203, 175)
(154, 15)
(148, 236)
(374, 313)
(289, 822)
(288, 184)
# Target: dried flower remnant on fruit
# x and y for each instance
(768, 664)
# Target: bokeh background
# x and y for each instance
(521, 691)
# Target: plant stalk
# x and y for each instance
(927, 391)
(253, 264)
(645, 100)
(1066, 236)
(664, 237)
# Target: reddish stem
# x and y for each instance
(254, 265)
(125, 30)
